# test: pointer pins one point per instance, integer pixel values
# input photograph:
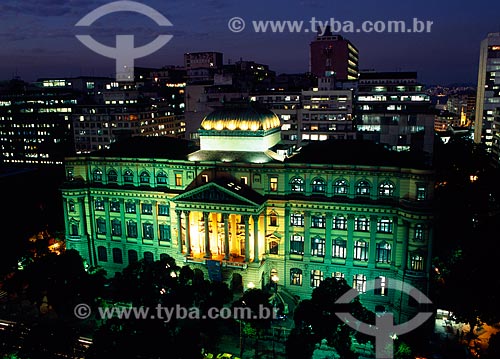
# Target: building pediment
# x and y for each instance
(223, 193)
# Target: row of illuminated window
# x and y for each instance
(117, 255)
(339, 248)
(359, 280)
(339, 222)
(130, 207)
(128, 177)
(340, 187)
(131, 227)
(362, 224)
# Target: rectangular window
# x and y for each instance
(384, 225)
(74, 229)
(99, 205)
(244, 180)
(178, 179)
(383, 252)
(338, 275)
(116, 228)
(297, 220)
(316, 278)
(163, 210)
(101, 226)
(318, 222)
(419, 232)
(296, 276)
(164, 232)
(421, 193)
(297, 244)
(381, 286)
(147, 231)
(114, 206)
(71, 206)
(361, 250)
(273, 184)
(130, 207)
(362, 224)
(131, 229)
(417, 263)
(359, 283)
(339, 249)
(340, 223)
(147, 208)
(318, 247)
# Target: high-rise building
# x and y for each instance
(487, 121)
(238, 210)
(332, 55)
(393, 109)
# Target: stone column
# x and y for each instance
(155, 222)
(208, 254)
(372, 249)
(404, 246)
(225, 217)
(188, 234)
(255, 238)
(66, 221)
(122, 219)
(107, 218)
(328, 237)
(394, 245)
(287, 231)
(307, 235)
(246, 218)
(350, 239)
(179, 229)
(81, 211)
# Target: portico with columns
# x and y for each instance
(221, 220)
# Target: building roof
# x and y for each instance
(149, 147)
(387, 75)
(241, 118)
(355, 152)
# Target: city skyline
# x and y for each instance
(39, 39)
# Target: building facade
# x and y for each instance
(393, 109)
(487, 120)
(334, 56)
(238, 206)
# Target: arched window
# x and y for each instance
(128, 176)
(383, 252)
(117, 256)
(318, 185)
(296, 276)
(340, 187)
(162, 179)
(149, 257)
(361, 250)
(144, 178)
(273, 247)
(112, 176)
(273, 219)
(297, 184)
(132, 256)
(102, 254)
(359, 283)
(416, 262)
(363, 188)
(97, 175)
(386, 189)
(316, 277)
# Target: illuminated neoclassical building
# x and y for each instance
(240, 204)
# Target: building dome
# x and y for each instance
(241, 118)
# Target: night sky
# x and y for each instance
(37, 37)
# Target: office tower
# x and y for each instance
(487, 120)
(332, 55)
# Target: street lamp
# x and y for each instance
(275, 280)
